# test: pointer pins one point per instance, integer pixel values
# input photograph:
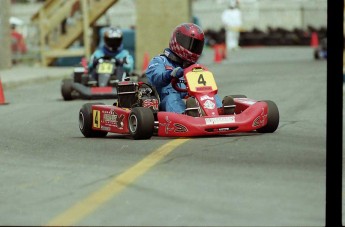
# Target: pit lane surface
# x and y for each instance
(52, 175)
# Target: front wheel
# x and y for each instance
(66, 89)
(85, 121)
(272, 118)
(141, 123)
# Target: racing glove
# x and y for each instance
(177, 72)
(121, 61)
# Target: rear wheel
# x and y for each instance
(272, 118)
(66, 89)
(141, 123)
(85, 121)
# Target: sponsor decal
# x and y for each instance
(119, 122)
(151, 103)
(180, 128)
(219, 120)
(202, 98)
(223, 129)
(109, 118)
(204, 88)
(256, 122)
(209, 105)
(166, 125)
(96, 120)
(112, 117)
(177, 127)
(259, 121)
(105, 128)
(197, 69)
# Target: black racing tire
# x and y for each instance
(316, 55)
(85, 121)
(272, 118)
(228, 101)
(192, 103)
(238, 96)
(141, 123)
(66, 89)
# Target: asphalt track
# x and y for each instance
(52, 175)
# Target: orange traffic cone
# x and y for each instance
(314, 41)
(145, 62)
(2, 96)
(217, 54)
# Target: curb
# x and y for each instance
(21, 82)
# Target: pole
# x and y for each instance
(5, 35)
(87, 44)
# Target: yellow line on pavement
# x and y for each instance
(86, 206)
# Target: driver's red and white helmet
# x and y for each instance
(187, 42)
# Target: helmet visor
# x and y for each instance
(191, 44)
(113, 43)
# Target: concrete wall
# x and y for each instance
(155, 22)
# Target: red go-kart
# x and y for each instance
(137, 113)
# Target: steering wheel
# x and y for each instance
(174, 82)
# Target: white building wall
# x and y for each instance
(256, 13)
(260, 14)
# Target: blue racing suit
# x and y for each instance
(158, 74)
(119, 54)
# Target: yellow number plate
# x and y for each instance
(96, 120)
(201, 81)
(105, 68)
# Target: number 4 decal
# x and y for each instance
(96, 119)
(201, 80)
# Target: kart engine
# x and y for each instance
(131, 94)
